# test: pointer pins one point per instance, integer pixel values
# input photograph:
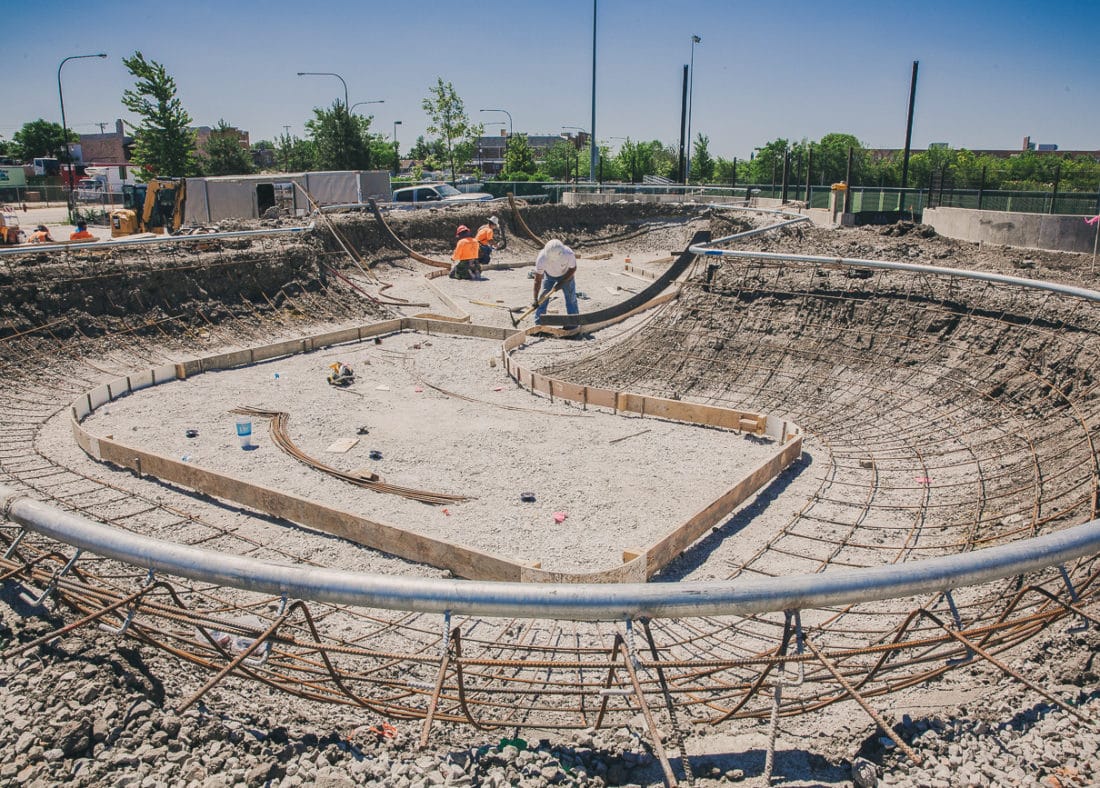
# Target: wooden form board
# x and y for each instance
(661, 553)
(638, 564)
(463, 561)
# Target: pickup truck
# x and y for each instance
(437, 193)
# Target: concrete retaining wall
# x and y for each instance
(1058, 233)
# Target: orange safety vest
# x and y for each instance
(466, 249)
(83, 235)
(40, 237)
(485, 234)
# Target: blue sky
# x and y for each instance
(990, 72)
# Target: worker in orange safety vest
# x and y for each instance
(81, 233)
(465, 255)
(486, 241)
(41, 235)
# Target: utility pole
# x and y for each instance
(592, 162)
(909, 126)
(683, 122)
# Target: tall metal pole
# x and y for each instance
(64, 127)
(786, 174)
(329, 74)
(909, 127)
(683, 123)
(592, 163)
(396, 149)
(691, 105)
(809, 173)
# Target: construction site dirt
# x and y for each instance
(939, 415)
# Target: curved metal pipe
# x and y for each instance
(580, 602)
(855, 262)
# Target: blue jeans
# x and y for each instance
(569, 290)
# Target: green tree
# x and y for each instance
(294, 154)
(224, 154)
(768, 162)
(560, 161)
(342, 140)
(518, 158)
(164, 145)
(41, 138)
(447, 120)
(424, 149)
(831, 157)
(383, 153)
(626, 160)
(723, 170)
(702, 163)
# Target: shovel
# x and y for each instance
(517, 320)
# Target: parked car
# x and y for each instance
(437, 192)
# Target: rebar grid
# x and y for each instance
(943, 416)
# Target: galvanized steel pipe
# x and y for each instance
(855, 262)
(579, 602)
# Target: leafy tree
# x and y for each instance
(224, 154)
(383, 152)
(423, 149)
(519, 158)
(723, 170)
(342, 140)
(5, 147)
(627, 161)
(607, 165)
(164, 145)
(41, 138)
(768, 163)
(560, 161)
(702, 164)
(831, 157)
(294, 154)
(665, 159)
(447, 115)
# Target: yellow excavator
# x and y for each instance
(153, 207)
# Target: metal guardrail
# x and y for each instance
(579, 602)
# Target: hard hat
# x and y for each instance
(462, 229)
(494, 221)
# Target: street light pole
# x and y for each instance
(329, 74)
(65, 128)
(592, 162)
(506, 112)
(508, 143)
(396, 149)
(356, 104)
(691, 104)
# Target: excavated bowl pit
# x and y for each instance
(941, 417)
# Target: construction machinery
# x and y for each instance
(152, 207)
(9, 229)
